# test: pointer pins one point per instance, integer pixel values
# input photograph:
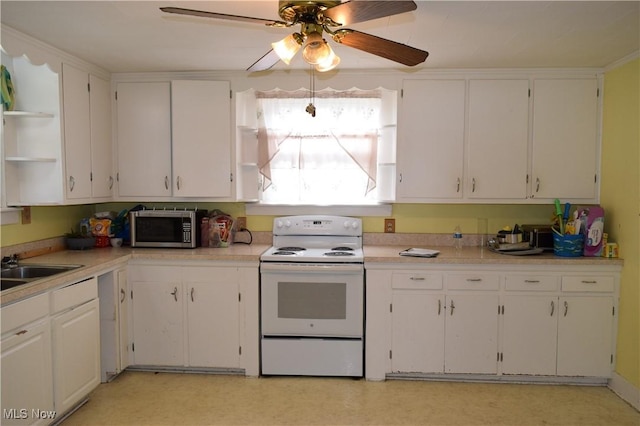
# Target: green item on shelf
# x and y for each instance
(6, 89)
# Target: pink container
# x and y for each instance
(593, 229)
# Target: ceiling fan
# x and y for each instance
(329, 16)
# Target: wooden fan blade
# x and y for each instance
(388, 49)
(205, 14)
(267, 61)
(360, 11)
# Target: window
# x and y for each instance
(334, 158)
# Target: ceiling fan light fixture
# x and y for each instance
(329, 63)
(287, 48)
(316, 49)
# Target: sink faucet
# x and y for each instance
(10, 261)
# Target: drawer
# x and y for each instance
(22, 313)
(531, 283)
(74, 294)
(473, 282)
(416, 280)
(588, 284)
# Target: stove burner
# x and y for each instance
(339, 253)
(342, 249)
(284, 253)
(291, 249)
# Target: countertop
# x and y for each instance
(104, 259)
(477, 256)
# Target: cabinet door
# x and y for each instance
(213, 318)
(158, 335)
(585, 336)
(201, 129)
(123, 319)
(101, 145)
(431, 138)
(529, 335)
(417, 332)
(498, 139)
(471, 333)
(565, 139)
(144, 139)
(77, 132)
(27, 379)
(76, 354)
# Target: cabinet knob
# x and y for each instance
(166, 182)
(473, 185)
(110, 182)
(566, 308)
(72, 183)
(537, 184)
(553, 307)
(175, 293)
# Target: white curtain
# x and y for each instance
(323, 158)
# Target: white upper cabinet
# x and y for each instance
(77, 132)
(201, 138)
(174, 140)
(565, 139)
(431, 140)
(144, 139)
(102, 179)
(497, 133)
(515, 139)
(87, 135)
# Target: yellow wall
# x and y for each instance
(46, 222)
(410, 218)
(620, 197)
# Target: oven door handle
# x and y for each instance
(312, 267)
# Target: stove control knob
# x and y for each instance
(279, 224)
(287, 223)
(348, 225)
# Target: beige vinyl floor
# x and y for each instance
(147, 398)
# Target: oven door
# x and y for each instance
(302, 299)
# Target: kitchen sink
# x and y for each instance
(12, 277)
(6, 284)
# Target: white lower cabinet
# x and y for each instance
(186, 316)
(114, 331)
(434, 332)
(50, 353)
(27, 374)
(491, 322)
(76, 342)
(585, 336)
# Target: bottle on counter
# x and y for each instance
(457, 238)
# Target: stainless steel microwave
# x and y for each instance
(166, 228)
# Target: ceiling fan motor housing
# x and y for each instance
(299, 11)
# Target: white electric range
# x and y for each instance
(312, 297)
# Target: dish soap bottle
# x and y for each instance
(457, 238)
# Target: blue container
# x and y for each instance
(568, 245)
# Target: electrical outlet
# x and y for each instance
(26, 215)
(390, 226)
(241, 223)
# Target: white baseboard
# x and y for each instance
(625, 390)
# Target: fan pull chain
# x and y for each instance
(311, 108)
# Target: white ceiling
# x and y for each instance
(135, 36)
